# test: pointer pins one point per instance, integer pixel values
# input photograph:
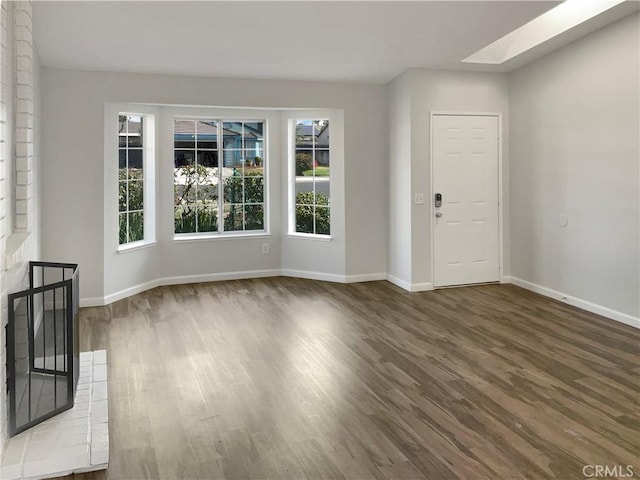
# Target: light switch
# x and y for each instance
(419, 198)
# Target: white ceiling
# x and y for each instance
(304, 40)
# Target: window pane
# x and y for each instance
(184, 141)
(304, 134)
(122, 234)
(135, 174)
(122, 158)
(136, 226)
(207, 134)
(321, 128)
(254, 130)
(207, 176)
(208, 159)
(304, 162)
(207, 193)
(135, 158)
(122, 140)
(233, 190)
(122, 196)
(304, 190)
(233, 217)
(133, 131)
(232, 134)
(258, 164)
(322, 162)
(184, 193)
(134, 126)
(249, 157)
(254, 217)
(184, 133)
(183, 158)
(254, 189)
(122, 124)
(134, 141)
(185, 219)
(322, 190)
(256, 171)
(323, 226)
(233, 158)
(207, 219)
(136, 194)
(207, 144)
(304, 219)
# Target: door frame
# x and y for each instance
(498, 115)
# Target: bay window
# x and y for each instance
(219, 174)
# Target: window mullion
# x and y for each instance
(244, 164)
(195, 166)
(220, 177)
(126, 166)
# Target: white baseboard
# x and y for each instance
(365, 277)
(127, 292)
(410, 287)
(92, 302)
(326, 277)
(216, 277)
(399, 282)
(576, 302)
(179, 280)
(421, 287)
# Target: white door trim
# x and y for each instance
(432, 212)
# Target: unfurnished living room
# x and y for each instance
(320, 239)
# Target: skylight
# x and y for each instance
(565, 16)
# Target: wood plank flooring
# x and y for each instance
(288, 378)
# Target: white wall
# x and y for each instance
(575, 152)
(423, 91)
(399, 253)
(73, 146)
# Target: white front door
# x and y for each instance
(466, 244)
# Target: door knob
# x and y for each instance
(438, 214)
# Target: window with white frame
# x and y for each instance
(218, 185)
(311, 177)
(131, 181)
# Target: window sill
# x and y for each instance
(132, 247)
(311, 236)
(190, 238)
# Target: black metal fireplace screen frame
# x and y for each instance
(59, 348)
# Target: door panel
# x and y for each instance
(465, 171)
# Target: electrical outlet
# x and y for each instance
(265, 248)
(419, 198)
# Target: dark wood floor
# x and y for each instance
(288, 378)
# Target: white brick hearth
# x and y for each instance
(73, 442)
